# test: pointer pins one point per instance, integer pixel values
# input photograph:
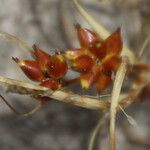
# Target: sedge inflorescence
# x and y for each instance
(95, 60)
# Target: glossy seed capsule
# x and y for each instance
(53, 85)
(103, 82)
(42, 57)
(31, 69)
(83, 63)
(111, 63)
(113, 44)
(57, 67)
(90, 78)
(98, 49)
(85, 36)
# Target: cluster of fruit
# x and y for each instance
(96, 60)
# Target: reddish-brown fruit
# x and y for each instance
(42, 57)
(31, 69)
(113, 44)
(103, 82)
(88, 79)
(57, 67)
(85, 36)
(96, 70)
(98, 49)
(53, 85)
(83, 63)
(111, 63)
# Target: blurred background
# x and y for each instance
(50, 24)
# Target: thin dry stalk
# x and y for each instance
(39, 105)
(67, 24)
(21, 87)
(16, 41)
(120, 75)
(146, 41)
(97, 129)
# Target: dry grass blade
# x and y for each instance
(39, 105)
(146, 41)
(67, 24)
(10, 106)
(115, 99)
(21, 87)
(97, 129)
(16, 41)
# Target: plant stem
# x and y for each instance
(97, 129)
(120, 75)
(16, 41)
(20, 87)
